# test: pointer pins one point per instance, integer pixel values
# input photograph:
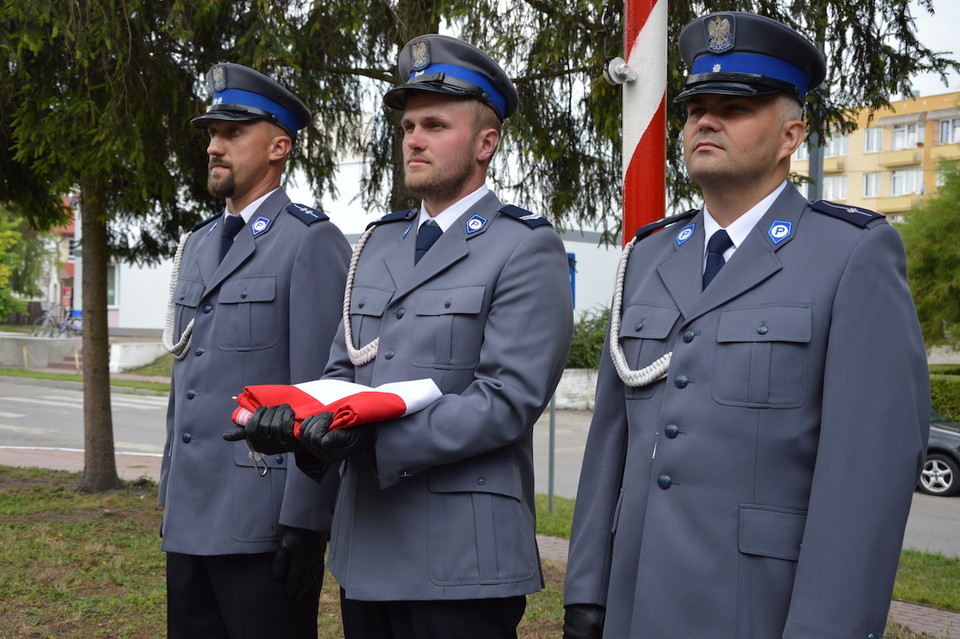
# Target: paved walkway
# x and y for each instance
(935, 622)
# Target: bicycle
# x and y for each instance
(48, 325)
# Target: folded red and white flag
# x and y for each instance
(351, 403)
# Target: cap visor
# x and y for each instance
(202, 120)
(727, 88)
(396, 98)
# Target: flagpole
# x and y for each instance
(643, 75)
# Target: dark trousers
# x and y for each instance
(451, 619)
(234, 597)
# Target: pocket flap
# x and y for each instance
(262, 288)
(466, 300)
(771, 532)
(242, 456)
(188, 293)
(492, 475)
(642, 321)
(766, 324)
(366, 300)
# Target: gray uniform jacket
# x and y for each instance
(760, 490)
(266, 315)
(443, 508)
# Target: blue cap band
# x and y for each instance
(467, 75)
(753, 63)
(257, 101)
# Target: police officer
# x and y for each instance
(255, 299)
(434, 535)
(763, 401)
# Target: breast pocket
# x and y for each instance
(449, 332)
(366, 313)
(186, 297)
(762, 356)
(644, 333)
(247, 314)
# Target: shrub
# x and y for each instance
(589, 333)
(945, 395)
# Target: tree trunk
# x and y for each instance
(99, 461)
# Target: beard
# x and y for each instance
(442, 183)
(223, 187)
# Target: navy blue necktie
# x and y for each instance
(429, 233)
(231, 226)
(718, 243)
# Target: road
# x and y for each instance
(44, 414)
(48, 414)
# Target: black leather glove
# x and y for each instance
(583, 621)
(343, 443)
(269, 431)
(312, 431)
(299, 561)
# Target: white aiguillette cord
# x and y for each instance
(358, 356)
(645, 376)
(178, 350)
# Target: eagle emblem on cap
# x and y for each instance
(719, 35)
(420, 53)
(219, 75)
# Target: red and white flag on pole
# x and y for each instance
(351, 403)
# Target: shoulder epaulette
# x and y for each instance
(648, 229)
(200, 225)
(533, 220)
(307, 214)
(396, 216)
(852, 214)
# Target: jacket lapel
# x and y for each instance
(681, 271)
(245, 243)
(754, 261)
(208, 253)
(448, 250)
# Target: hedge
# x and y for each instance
(589, 332)
(945, 394)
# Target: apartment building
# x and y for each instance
(890, 161)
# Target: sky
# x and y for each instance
(938, 33)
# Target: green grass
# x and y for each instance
(23, 329)
(161, 367)
(79, 566)
(928, 579)
(141, 384)
(555, 523)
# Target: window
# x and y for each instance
(871, 184)
(906, 182)
(835, 187)
(873, 140)
(802, 153)
(836, 146)
(906, 136)
(949, 131)
(112, 276)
